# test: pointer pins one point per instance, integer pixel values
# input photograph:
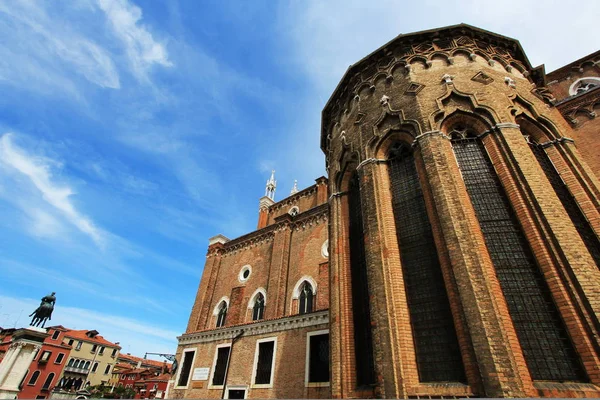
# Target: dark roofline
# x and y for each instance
(409, 35)
(573, 63)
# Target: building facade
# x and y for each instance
(460, 226)
(46, 368)
(91, 361)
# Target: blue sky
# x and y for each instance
(132, 131)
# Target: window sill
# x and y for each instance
(262, 386)
(317, 384)
(220, 387)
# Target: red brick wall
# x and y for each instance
(288, 373)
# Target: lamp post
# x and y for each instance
(233, 340)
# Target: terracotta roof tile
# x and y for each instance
(82, 335)
(135, 360)
(163, 377)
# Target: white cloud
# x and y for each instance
(142, 50)
(134, 336)
(325, 37)
(39, 49)
(329, 36)
(38, 170)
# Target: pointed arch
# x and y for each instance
(220, 311)
(258, 291)
(257, 303)
(298, 286)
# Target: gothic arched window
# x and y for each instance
(582, 225)
(258, 310)
(306, 299)
(546, 346)
(222, 314)
(436, 344)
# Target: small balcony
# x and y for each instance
(76, 370)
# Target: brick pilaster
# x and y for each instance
(201, 310)
(279, 299)
(389, 311)
(579, 179)
(341, 330)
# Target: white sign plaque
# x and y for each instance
(200, 374)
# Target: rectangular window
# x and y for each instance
(317, 358)
(186, 368)
(55, 335)
(101, 350)
(94, 347)
(59, 358)
(264, 362)
(114, 353)
(71, 341)
(45, 356)
(95, 367)
(220, 364)
(107, 369)
(78, 347)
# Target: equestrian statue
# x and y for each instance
(44, 311)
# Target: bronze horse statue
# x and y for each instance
(44, 311)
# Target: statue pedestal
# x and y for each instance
(25, 343)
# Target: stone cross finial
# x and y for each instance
(271, 186)
(295, 188)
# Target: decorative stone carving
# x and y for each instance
(448, 79)
(294, 211)
(414, 88)
(359, 118)
(510, 82)
(259, 328)
(325, 249)
(482, 77)
(384, 100)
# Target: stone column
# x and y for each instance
(9, 360)
(12, 370)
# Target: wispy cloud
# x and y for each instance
(38, 49)
(142, 50)
(134, 336)
(38, 170)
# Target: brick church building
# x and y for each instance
(453, 250)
